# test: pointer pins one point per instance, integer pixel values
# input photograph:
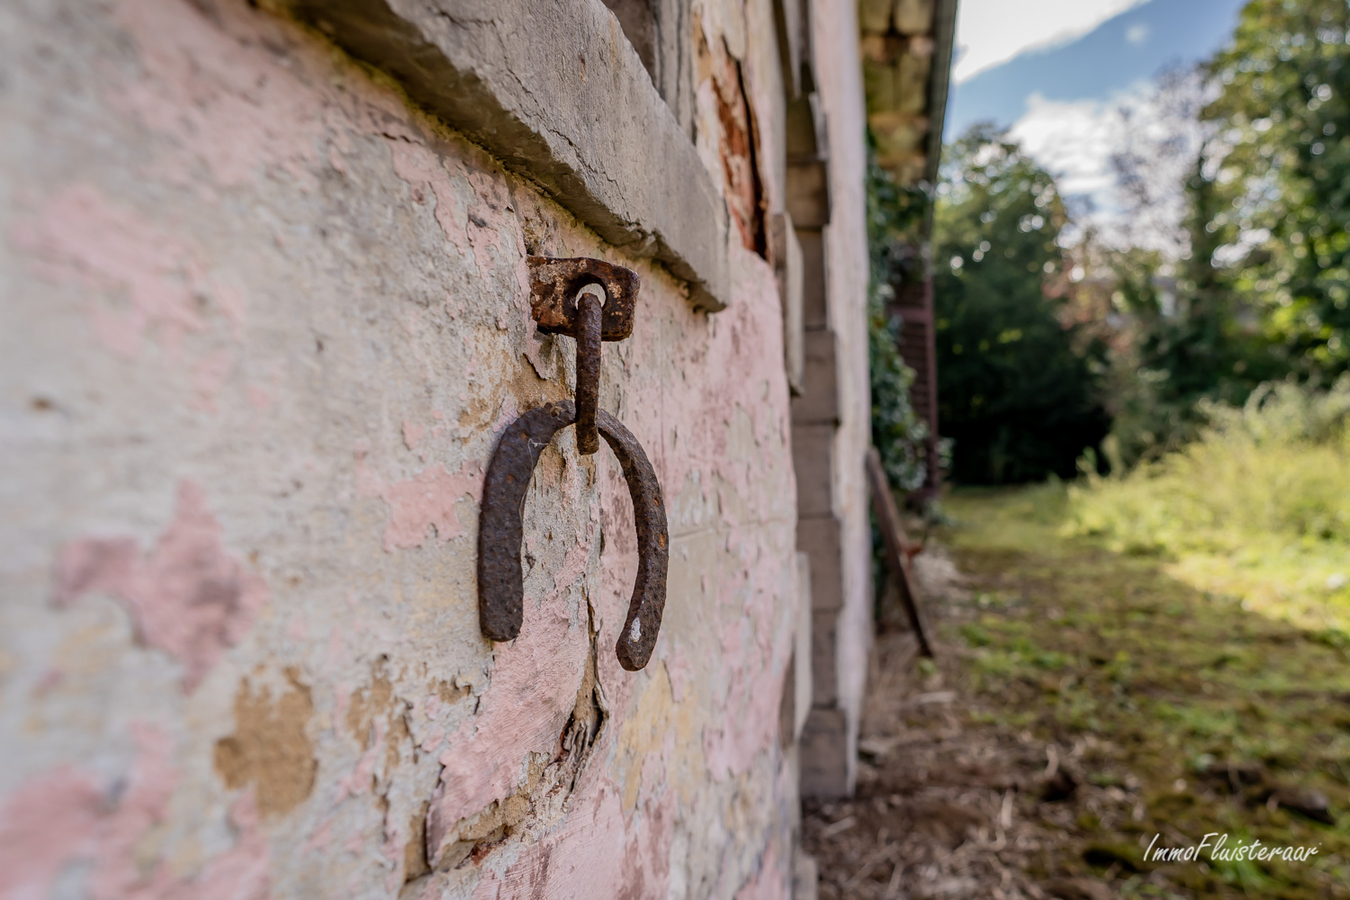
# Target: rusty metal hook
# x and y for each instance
(501, 583)
(592, 301)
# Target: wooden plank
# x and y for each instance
(897, 545)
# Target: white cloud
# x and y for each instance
(990, 32)
(1137, 34)
(1075, 140)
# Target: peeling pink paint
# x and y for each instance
(598, 846)
(738, 349)
(47, 822)
(752, 725)
(187, 596)
(413, 434)
(321, 838)
(680, 672)
(83, 238)
(507, 413)
(231, 303)
(524, 709)
(433, 740)
(227, 103)
(336, 644)
(336, 161)
(768, 883)
(486, 219)
(573, 566)
(423, 171)
(395, 843)
(587, 853)
(208, 376)
(150, 785)
(355, 844)
(258, 397)
(427, 500)
(361, 779)
(218, 89)
(244, 97)
(244, 871)
(49, 681)
(341, 697)
(742, 345)
(62, 817)
(754, 682)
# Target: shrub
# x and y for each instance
(1274, 470)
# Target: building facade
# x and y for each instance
(266, 282)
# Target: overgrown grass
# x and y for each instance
(1258, 508)
(1163, 685)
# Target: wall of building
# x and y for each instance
(832, 415)
(264, 320)
(846, 286)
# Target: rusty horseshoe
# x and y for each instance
(561, 300)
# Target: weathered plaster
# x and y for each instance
(587, 125)
(187, 597)
(264, 322)
(66, 816)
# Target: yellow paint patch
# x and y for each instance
(644, 732)
(270, 748)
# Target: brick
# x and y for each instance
(874, 16)
(824, 658)
(813, 462)
(824, 754)
(821, 538)
(814, 303)
(819, 400)
(803, 672)
(913, 16)
(808, 192)
(787, 256)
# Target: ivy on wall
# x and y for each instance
(895, 216)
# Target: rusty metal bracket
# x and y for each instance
(555, 284)
(562, 305)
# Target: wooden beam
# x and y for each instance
(898, 549)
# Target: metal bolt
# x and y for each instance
(590, 299)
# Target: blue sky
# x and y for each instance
(1056, 71)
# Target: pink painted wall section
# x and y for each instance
(186, 597)
(263, 325)
(64, 817)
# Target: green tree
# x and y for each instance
(1283, 112)
(1191, 335)
(1185, 332)
(1016, 389)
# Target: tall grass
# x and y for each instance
(1264, 489)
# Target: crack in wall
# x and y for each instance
(548, 783)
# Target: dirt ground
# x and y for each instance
(1082, 703)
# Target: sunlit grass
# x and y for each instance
(1164, 663)
(1257, 509)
